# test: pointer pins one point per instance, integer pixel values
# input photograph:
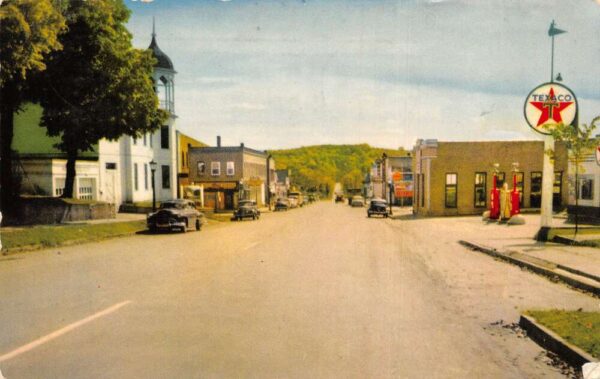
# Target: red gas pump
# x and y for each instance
(514, 198)
(494, 200)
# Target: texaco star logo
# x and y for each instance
(550, 104)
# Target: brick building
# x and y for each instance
(455, 178)
(228, 174)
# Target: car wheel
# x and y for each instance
(368, 215)
(198, 225)
(254, 217)
(152, 229)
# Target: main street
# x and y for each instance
(317, 292)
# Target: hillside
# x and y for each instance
(323, 165)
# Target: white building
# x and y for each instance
(117, 171)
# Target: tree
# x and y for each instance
(580, 142)
(98, 86)
(29, 31)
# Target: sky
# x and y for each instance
(289, 73)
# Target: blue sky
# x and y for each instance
(278, 74)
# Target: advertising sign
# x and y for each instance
(549, 104)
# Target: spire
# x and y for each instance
(153, 27)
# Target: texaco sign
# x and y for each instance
(550, 104)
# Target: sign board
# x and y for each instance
(549, 104)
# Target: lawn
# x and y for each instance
(37, 237)
(581, 329)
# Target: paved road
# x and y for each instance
(318, 292)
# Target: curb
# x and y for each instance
(554, 343)
(594, 290)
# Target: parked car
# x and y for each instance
(178, 214)
(358, 201)
(378, 207)
(298, 196)
(282, 204)
(293, 200)
(246, 208)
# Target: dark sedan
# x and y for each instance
(175, 214)
(246, 209)
(378, 207)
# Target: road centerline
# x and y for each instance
(49, 337)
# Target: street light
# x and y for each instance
(153, 169)
(269, 180)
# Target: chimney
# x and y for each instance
(242, 145)
(218, 141)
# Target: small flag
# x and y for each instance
(554, 31)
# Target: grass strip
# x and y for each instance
(581, 329)
(37, 237)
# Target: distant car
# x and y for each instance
(339, 198)
(378, 207)
(282, 204)
(178, 214)
(293, 200)
(246, 209)
(357, 201)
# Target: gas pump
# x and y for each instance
(495, 199)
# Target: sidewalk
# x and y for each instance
(516, 244)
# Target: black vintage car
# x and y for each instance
(282, 204)
(246, 208)
(378, 207)
(175, 214)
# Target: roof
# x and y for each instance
(228, 149)
(163, 59)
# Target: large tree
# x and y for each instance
(28, 31)
(98, 86)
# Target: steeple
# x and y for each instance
(163, 60)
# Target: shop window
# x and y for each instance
(480, 189)
(585, 189)
(557, 189)
(451, 190)
(166, 176)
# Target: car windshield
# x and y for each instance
(378, 202)
(246, 203)
(171, 205)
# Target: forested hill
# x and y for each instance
(323, 165)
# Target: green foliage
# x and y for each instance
(324, 165)
(579, 140)
(98, 86)
(28, 30)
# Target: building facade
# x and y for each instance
(455, 178)
(228, 174)
(587, 190)
(116, 172)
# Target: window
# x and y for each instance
(150, 137)
(164, 137)
(480, 189)
(166, 176)
(557, 189)
(586, 188)
(215, 168)
(111, 166)
(201, 168)
(182, 159)
(230, 168)
(535, 198)
(145, 175)
(59, 186)
(501, 178)
(134, 140)
(135, 176)
(145, 139)
(451, 187)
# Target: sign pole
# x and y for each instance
(547, 183)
